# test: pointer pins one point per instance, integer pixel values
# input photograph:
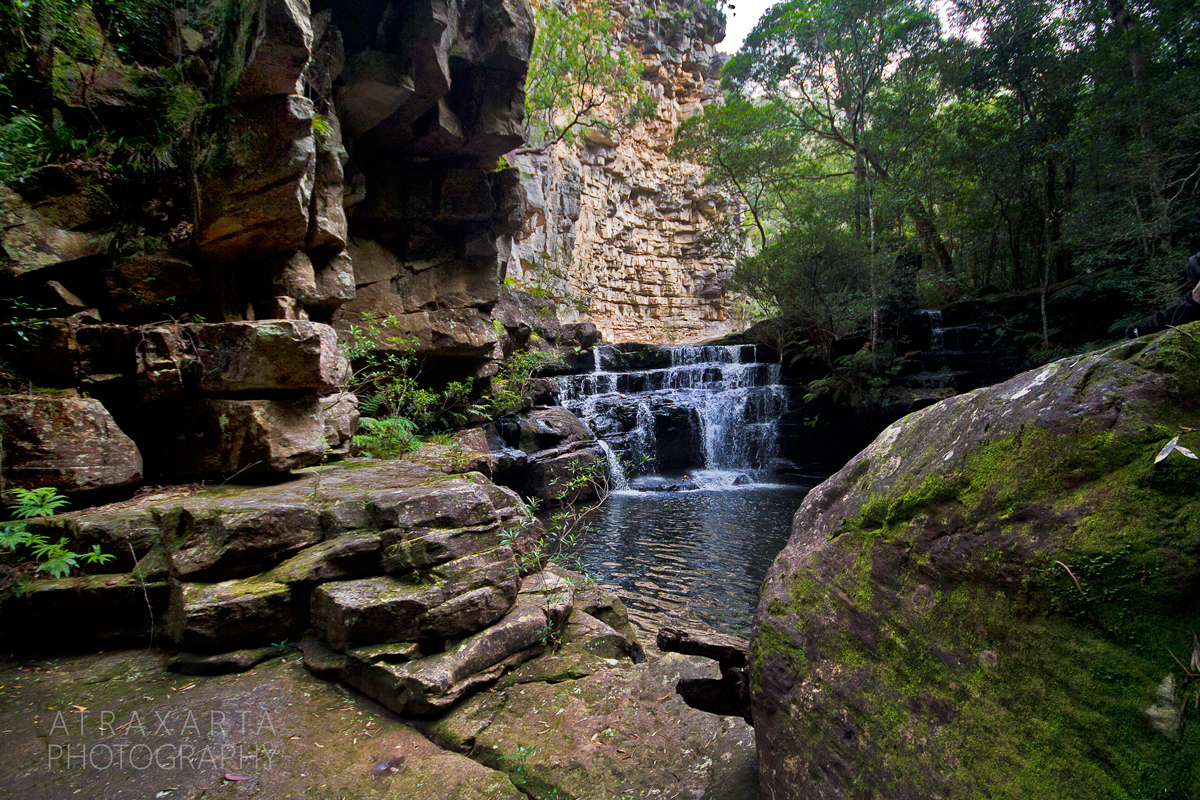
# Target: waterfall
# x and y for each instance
(616, 470)
(936, 331)
(684, 408)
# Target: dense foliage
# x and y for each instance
(1036, 144)
(578, 70)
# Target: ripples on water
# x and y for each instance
(692, 556)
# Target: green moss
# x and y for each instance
(1041, 583)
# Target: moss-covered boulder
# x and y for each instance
(989, 600)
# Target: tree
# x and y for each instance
(828, 66)
(577, 70)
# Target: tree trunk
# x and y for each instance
(927, 232)
(41, 64)
(1137, 64)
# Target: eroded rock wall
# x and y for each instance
(615, 225)
(339, 160)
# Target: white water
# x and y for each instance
(716, 406)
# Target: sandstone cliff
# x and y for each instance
(615, 226)
(316, 164)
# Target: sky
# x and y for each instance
(740, 21)
(746, 13)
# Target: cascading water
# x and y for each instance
(705, 409)
(691, 537)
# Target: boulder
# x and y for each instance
(70, 443)
(127, 534)
(340, 415)
(234, 614)
(450, 332)
(238, 538)
(29, 241)
(418, 548)
(210, 436)
(985, 601)
(374, 86)
(355, 555)
(335, 280)
(446, 601)
(452, 504)
(552, 473)
(268, 356)
(430, 685)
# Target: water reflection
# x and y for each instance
(688, 556)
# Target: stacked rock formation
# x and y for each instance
(406, 575)
(616, 223)
(342, 162)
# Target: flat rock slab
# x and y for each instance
(448, 601)
(289, 733)
(618, 733)
(239, 538)
(233, 614)
(221, 663)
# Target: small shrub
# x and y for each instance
(54, 558)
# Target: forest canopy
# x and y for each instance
(881, 160)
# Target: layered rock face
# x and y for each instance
(985, 601)
(341, 162)
(616, 224)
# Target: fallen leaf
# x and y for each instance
(79, 708)
(229, 777)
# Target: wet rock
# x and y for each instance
(234, 614)
(221, 663)
(446, 601)
(617, 731)
(552, 472)
(607, 607)
(954, 541)
(239, 539)
(730, 694)
(70, 443)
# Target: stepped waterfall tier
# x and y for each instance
(687, 407)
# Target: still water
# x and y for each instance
(696, 555)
